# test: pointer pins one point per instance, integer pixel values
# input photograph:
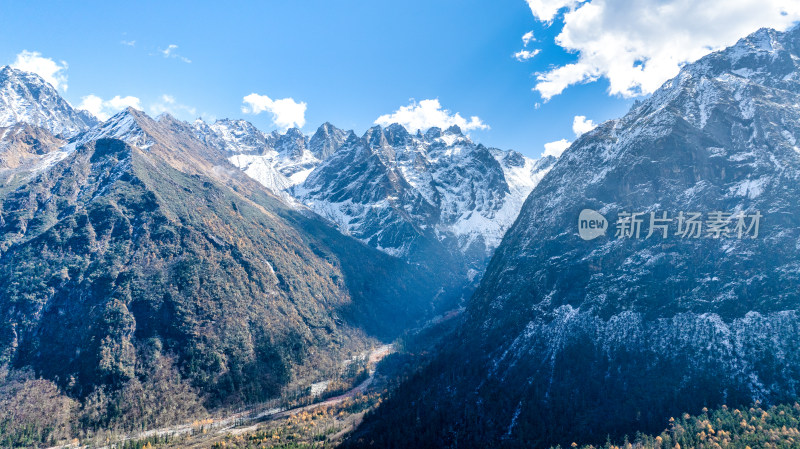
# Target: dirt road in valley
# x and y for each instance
(234, 423)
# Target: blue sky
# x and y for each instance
(348, 61)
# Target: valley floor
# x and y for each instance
(317, 424)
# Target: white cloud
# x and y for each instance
(556, 148)
(527, 38)
(119, 103)
(93, 104)
(169, 52)
(524, 55)
(51, 71)
(582, 125)
(128, 43)
(427, 114)
(285, 111)
(168, 104)
(546, 10)
(639, 45)
(103, 109)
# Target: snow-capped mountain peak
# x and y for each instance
(277, 160)
(327, 140)
(292, 144)
(454, 129)
(123, 125)
(27, 98)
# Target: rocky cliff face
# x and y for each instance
(571, 339)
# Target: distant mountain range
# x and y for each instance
(434, 198)
(569, 339)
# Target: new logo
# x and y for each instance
(591, 224)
